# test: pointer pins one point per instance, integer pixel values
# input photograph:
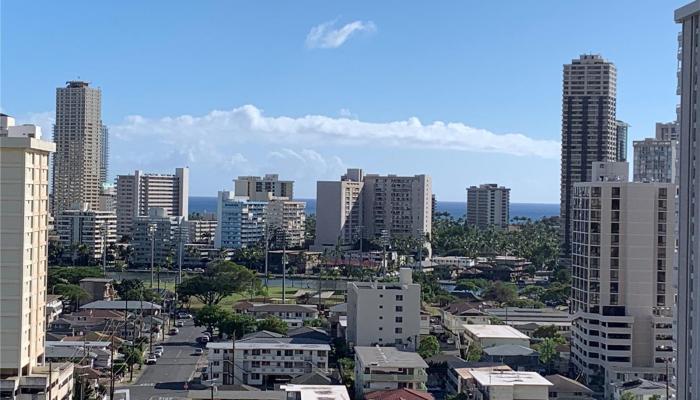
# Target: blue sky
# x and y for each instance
(468, 92)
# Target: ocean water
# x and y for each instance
(456, 209)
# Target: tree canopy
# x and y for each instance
(429, 347)
(273, 324)
(221, 279)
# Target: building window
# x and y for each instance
(399, 297)
(398, 330)
(399, 320)
(399, 309)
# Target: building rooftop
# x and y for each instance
(285, 343)
(466, 372)
(509, 350)
(562, 384)
(494, 332)
(318, 392)
(120, 305)
(509, 378)
(388, 357)
(399, 394)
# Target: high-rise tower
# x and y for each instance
(589, 128)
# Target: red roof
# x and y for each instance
(399, 394)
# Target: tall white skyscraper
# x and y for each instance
(78, 165)
(589, 128)
(138, 193)
(622, 288)
(688, 306)
(241, 222)
(24, 213)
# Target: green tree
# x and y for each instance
(316, 323)
(501, 292)
(429, 347)
(547, 353)
(210, 316)
(474, 351)
(132, 356)
(221, 279)
(556, 293)
(72, 292)
(546, 331)
(628, 396)
(273, 324)
(238, 324)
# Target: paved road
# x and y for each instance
(166, 379)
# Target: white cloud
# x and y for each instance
(304, 165)
(346, 113)
(202, 137)
(325, 36)
(45, 120)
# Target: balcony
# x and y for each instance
(418, 376)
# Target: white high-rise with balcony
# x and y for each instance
(622, 292)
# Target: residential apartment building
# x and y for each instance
(372, 206)
(508, 385)
(263, 361)
(138, 193)
(293, 314)
(622, 293)
(488, 205)
(387, 368)
(589, 129)
(384, 313)
(286, 221)
(84, 226)
(339, 210)
(158, 234)
(202, 231)
(263, 188)
(688, 310)
(655, 160)
(668, 130)
(495, 335)
(24, 213)
(241, 222)
(108, 198)
(78, 134)
(621, 130)
(104, 154)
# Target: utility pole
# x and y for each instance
(111, 374)
(50, 378)
(151, 231)
(267, 247)
(232, 374)
(104, 249)
(284, 266)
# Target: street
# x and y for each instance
(166, 379)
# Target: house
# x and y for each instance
(309, 332)
(101, 350)
(293, 314)
(520, 358)
(54, 308)
(336, 314)
(508, 385)
(386, 368)
(459, 377)
(79, 355)
(98, 289)
(527, 320)
(262, 360)
(641, 389)
(564, 388)
(285, 392)
(424, 323)
(494, 335)
(399, 394)
(458, 313)
(134, 306)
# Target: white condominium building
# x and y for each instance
(371, 206)
(78, 165)
(159, 233)
(688, 307)
(387, 368)
(138, 193)
(488, 205)
(384, 314)
(263, 189)
(286, 221)
(622, 292)
(241, 223)
(83, 226)
(655, 160)
(24, 212)
(263, 361)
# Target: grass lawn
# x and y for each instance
(275, 292)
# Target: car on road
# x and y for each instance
(158, 353)
(151, 359)
(203, 339)
(184, 315)
(159, 348)
(174, 331)
(180, 324)
(198, 352)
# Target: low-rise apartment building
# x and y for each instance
(385, 314)
(286, 221)
(457, 314)
(527, 320)
(509, 385)
(293, 314)
(85, 226)
(495, 335)
(263, 361)
(159, 235)
(386, 368)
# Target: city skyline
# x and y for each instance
(360, 81)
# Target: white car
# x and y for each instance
(159, 348)
(158, 353)
(198, 352)
(151, 359)
(174, 331)
(180, 324)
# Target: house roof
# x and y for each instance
(263, 334)
(462, 307)
(399, 394)
(312, 378)
(563, 384)
(68, 352)
(120, 305)
(339, 308)
(97, 280)
(284, 343)
(53, 297)
(310, 333)
(388, 357)
(495, 332)
(509, 378)
(284, 308)
(509, 350)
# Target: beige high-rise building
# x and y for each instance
(139, 192)
(263, 189)
(290, 217)
(688, 307)
(83, 226)
(78, 163)
(488, 205)
(24, 213)
(589, 129)
(371, 206)
(622, 278)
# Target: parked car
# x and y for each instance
(174, 331)
(203, 339)
(158, 353)
(159, 348)
(184, 315)
(151, 359)
(180, 324)
(198, 351)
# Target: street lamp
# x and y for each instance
(152, 235)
